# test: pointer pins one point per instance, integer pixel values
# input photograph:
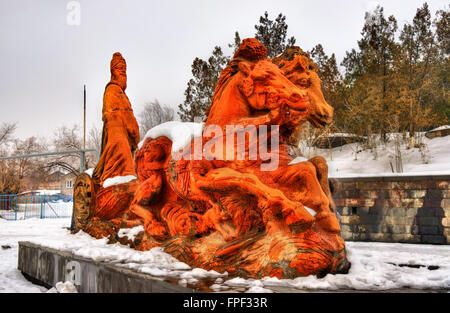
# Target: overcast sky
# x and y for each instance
(45, 61)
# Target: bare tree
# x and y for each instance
(9, 182)
(95, 138)
(69, 139)
(6, 132)
(18, 174)
(154, 114)
(66, 139)
(24, 173)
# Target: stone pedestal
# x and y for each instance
(48, 266)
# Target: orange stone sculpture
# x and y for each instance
(120, 134)
(221, 206)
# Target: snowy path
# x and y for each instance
(375, 266)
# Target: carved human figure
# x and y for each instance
(120, 129)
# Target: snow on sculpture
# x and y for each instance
(230, 200)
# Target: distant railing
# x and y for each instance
(18, 207)
(80, 152)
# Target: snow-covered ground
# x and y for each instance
(11, 232)
(432, 159)
(375, 266)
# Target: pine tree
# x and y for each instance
(369, 70)
(332, 82)
(201, 87)
(441, 82)
(236, 42)
(442, 24)
(328, 72)
(273, 34)
(418, 54)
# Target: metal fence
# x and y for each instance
(18, 207)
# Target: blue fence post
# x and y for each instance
(42, 204)
(16, 207)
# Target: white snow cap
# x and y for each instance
(441, 128)
(89, 171)
(130, 233)
(118, 180)
(180, 133)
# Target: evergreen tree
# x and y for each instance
(273, 34)
(442, 24)
(328, 72)
(418, 54)
(201, 87)
(369, 70)
(395, 86)
(332, 82)
(441, 82)
(236, 42)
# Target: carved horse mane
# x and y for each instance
(250, 51)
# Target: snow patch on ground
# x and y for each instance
(11, 232)
(63, 287)
(440, 128)
(433, 159)
(375, 266)
(180, 133)
(118, 180)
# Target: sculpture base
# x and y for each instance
(46, 266)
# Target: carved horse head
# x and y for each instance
(253, 91)
(302, 71)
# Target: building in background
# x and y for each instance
(66, 184)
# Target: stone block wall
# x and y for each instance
(410, 209)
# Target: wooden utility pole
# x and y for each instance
(84, 128)
(84, 119)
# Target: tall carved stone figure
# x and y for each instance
(120, 129)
